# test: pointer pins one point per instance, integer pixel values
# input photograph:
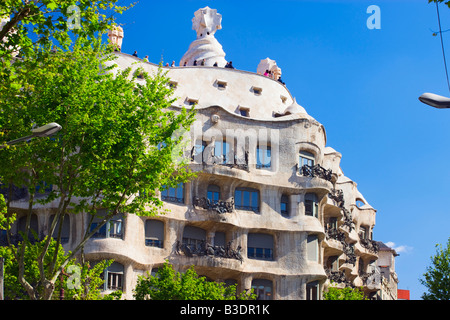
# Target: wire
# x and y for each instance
(442, 44)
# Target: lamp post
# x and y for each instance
(44, 131)
(435, 100)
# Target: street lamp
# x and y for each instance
(45, 131)
(435, 100)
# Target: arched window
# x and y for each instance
(260, 246)
(154, 233)
(311, 205)
(263, 289)
(306, 159)
(246, 199)
(65, 232)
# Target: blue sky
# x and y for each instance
(362, 85)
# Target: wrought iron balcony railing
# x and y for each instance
(218, 206)
(205, 249)
(316, 171)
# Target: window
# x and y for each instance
(332, 224)
(197, 151)
(263, 157)
(363, 233)
(65, 232)
(154, 233)
(312, 248)
(33, 234)
(193, 237)
(257, 91)
(224, 150)
(221, 84)
(284, 205)
(246, 199)
(220, 239)
(213, 193)
(260, 246)
(263, 289)
(333, 263)
(114, 277)
(311, 205)
(243, 111)
(175, 195)
(111, 229)
(312, 291)
(306, 159)
(191, 101)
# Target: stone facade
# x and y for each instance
(271, 208)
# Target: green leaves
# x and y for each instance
(168, 284)
(437, 277)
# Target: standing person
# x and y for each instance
(135, 54)
(173, 64)
(195, 62)
(146, 59)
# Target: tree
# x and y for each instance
(347, 293)
(168, 284)
(115, 151)
(31, 22)
(84, 286)
(437, 276)
(446, 2)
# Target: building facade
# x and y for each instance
(270, 208)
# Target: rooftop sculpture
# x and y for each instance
(206, 50)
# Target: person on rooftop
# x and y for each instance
(229, 65)
(135, 54)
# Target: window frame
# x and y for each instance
(266, 152)
(166, 194)
(313, 204)
(242, 205)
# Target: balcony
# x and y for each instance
(219, 206)
(370, 245)
(204, 249)
(316, 171)
(227, 159)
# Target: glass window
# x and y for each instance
(306, 159)
(175, 195)
(260, 246)
(263, 289)
(246, 199)
(263, 157)
(223, 149)
(112, 229)
(311, 205)
(114, 277)
(193, 237)
(213, 193)
(154, 233)
(285, 205)
(312, 291)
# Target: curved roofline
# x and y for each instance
(205, 67)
